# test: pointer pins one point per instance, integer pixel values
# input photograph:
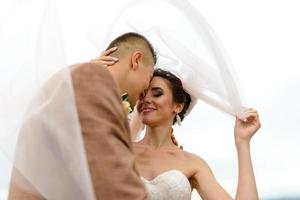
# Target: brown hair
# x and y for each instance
(179, 94)
(132, 41)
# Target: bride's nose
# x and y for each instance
(147, 98)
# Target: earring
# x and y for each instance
(178, 119)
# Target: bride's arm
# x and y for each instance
(204, 180)
(243, 132)
(205, 183)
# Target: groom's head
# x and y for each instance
(136, 63)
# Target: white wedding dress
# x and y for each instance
(170, 185)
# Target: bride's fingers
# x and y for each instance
(109, 51)
(253, 117)
(109, 58)
(104, 62)
(106, 58)
(249, 112)
(253, 112)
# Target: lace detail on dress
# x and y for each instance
(170, 185)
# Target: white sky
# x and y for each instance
(262, 39)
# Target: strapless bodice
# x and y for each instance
(170, 185)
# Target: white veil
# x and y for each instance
(38, 112)
(187, 46)
(37, 106)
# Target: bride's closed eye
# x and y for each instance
(157, 92)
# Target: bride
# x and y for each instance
(169, 172)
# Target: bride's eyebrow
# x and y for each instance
(156, 89)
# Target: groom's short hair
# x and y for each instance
(130, 42)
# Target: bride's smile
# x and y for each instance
(148, 110)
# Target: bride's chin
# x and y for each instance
(148, 122)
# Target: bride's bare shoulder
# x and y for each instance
(193, 158)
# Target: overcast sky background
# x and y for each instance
(262, 39)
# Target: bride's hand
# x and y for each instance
(244, 130)
(104, 59)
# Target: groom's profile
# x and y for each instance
(103, 120)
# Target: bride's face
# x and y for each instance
(157, 106)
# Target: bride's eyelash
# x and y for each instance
(157, 94)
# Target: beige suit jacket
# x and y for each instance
(106, 137)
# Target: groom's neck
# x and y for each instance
(118, 76)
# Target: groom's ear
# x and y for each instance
(136, 59)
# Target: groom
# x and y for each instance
(103, 120)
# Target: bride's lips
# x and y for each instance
(148, 110)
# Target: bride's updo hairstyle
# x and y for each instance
(179, 94)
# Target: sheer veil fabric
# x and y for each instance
(187, 46)
(37, 107)
(38, 112)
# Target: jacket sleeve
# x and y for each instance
(106, 134)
